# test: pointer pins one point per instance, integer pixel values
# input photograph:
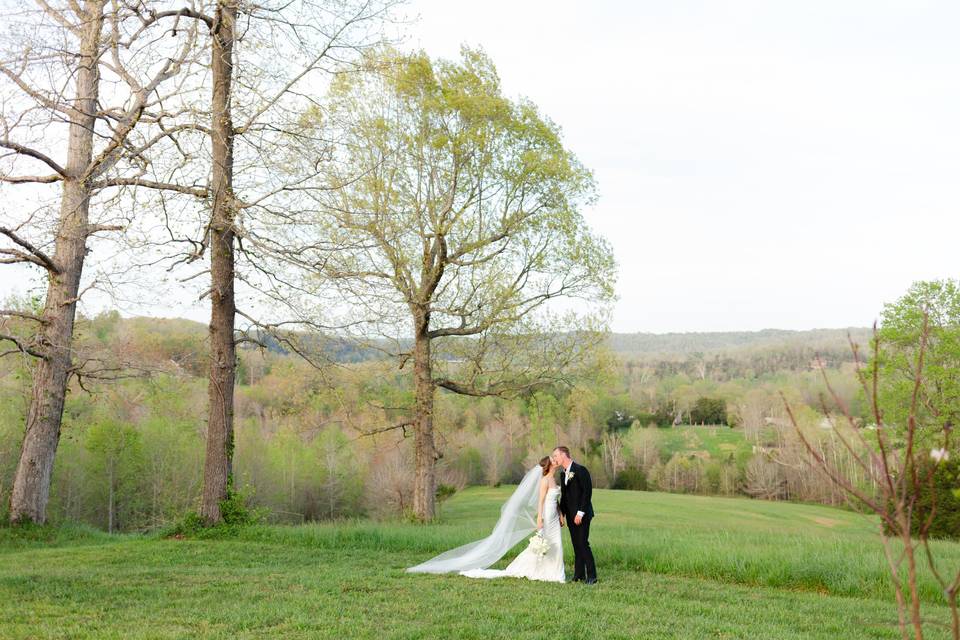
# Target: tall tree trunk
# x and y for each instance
(424, 486)
(31, 484)
(110, 503)
(218, 468)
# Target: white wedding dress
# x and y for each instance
(518, 520)
(529, 564)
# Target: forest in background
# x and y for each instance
(691, 413)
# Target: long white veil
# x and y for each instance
(518, 518)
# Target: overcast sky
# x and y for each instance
(760, 164)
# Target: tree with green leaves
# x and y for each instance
(117, 456)
(709, 411)
(451, 223)
(936, 303)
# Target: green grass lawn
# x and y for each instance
(718, 442)
(670, 567)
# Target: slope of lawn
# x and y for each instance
(716, 442)
(670, 567)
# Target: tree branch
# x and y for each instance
(31, 179)
(400, 425)
(22, 314)
(199, 192)
(22, 347)
(33, 153)
(35, 255)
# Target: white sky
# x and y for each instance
(760, 164)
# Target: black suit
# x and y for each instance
(575, 496)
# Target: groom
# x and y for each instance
(575, 492)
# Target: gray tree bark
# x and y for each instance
(218, 468)
(424, 486)
(31, 485)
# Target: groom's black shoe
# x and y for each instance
(590, 581)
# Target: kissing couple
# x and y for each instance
(542, 504)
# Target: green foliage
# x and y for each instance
(470, 462)
(236, 511)
(432, 154)
(301, 475)
(190, 524)
(618, 421)
(296, 431)
(631, 479)
(616, 411)
(27, 535)
(899, 341)
(664, 416)
(645, 418)
(709, 411)
(546, 413)
(445, 491)
(116, 462)
(943, 498)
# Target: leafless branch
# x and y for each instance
(34, 255)
(22, 346)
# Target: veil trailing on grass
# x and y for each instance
(518, 518)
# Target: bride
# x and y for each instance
(535, 497)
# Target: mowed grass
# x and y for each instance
(670, 567)
(717, 442)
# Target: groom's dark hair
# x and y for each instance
(564, 449)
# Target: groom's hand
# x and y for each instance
(577, 519)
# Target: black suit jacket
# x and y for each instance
(575, 495)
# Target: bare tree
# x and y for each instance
(112, 57)
(763, 479)
(262, 59)
(389, 487)
(613, 455)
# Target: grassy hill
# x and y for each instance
(670, 566)
(641, 345)
(715, 442)
(678, 344)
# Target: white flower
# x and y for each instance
(940, 455)
(539, 545)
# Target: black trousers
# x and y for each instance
(583, 564)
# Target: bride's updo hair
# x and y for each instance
(545, 465)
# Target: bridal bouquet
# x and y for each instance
(539, 545)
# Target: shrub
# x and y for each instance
(619, 420)
(946, 492)
(236, 514)
(709, 411)
(645, 418)
(631, 479)
(444, 491)
(664, 416)
(236, 510)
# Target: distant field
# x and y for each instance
(716, 442)
(671, 566)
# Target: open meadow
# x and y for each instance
(671, 566)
